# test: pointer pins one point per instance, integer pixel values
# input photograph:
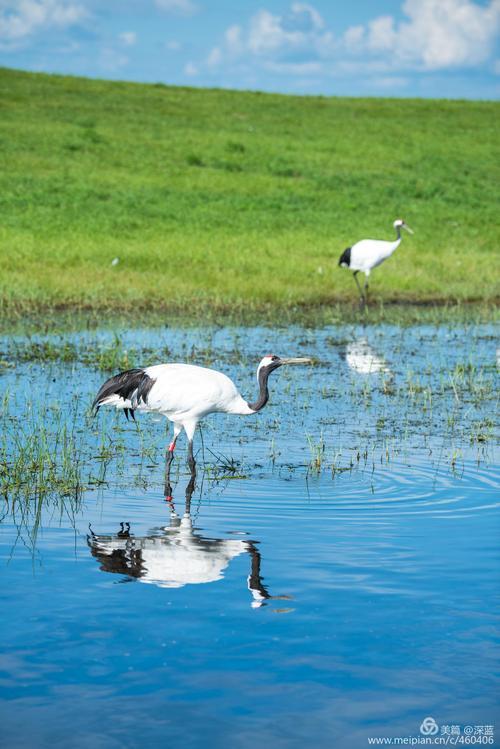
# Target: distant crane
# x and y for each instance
(184, 393)
(365, 255)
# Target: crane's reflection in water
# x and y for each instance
(177, 555)
(362, 358)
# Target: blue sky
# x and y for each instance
(425, 48)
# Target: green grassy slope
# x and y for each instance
(237, 197)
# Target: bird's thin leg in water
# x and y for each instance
(366, 290)
(168, 489)
(361, 295)
(191, 460)
(168, 462)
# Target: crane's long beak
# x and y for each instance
(408, 228)
(296, 360)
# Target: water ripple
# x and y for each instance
(394, 489)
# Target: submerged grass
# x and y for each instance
(236, 203)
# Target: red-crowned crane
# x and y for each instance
(365, 255)
(185, 393)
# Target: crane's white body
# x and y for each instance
(368, 253)
(185, 393)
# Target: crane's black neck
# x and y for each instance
(398, 232)
(261, 401)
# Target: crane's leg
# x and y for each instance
(168, 462)
(365, 288)
(361, 295)
(190, 428)
(191, 460)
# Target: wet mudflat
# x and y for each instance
(331, 576)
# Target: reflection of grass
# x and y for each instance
(219, 200)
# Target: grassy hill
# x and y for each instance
(237, 198)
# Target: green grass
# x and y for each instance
(237, 200)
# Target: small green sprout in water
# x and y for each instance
(317, 450)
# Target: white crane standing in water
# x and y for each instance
(184, 393)
(365, 255)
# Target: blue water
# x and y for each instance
(296, 603)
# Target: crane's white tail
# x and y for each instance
(125, 391)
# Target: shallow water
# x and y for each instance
(336, 575)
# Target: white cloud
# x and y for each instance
(431, 35)
(179, 7)
(452, 32)
(190, 69)
(214, 58)
(128, 38)
(20, 19)
(354, 36)
(266, 33)
(304, 18)
(295, 39)
(382, 35)
(437, 34)
(233, 39)
(299, 31)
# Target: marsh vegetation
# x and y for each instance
(373, 394)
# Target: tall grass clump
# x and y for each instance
(41, 452)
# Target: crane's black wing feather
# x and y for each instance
(121, 561)
(134, 384)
